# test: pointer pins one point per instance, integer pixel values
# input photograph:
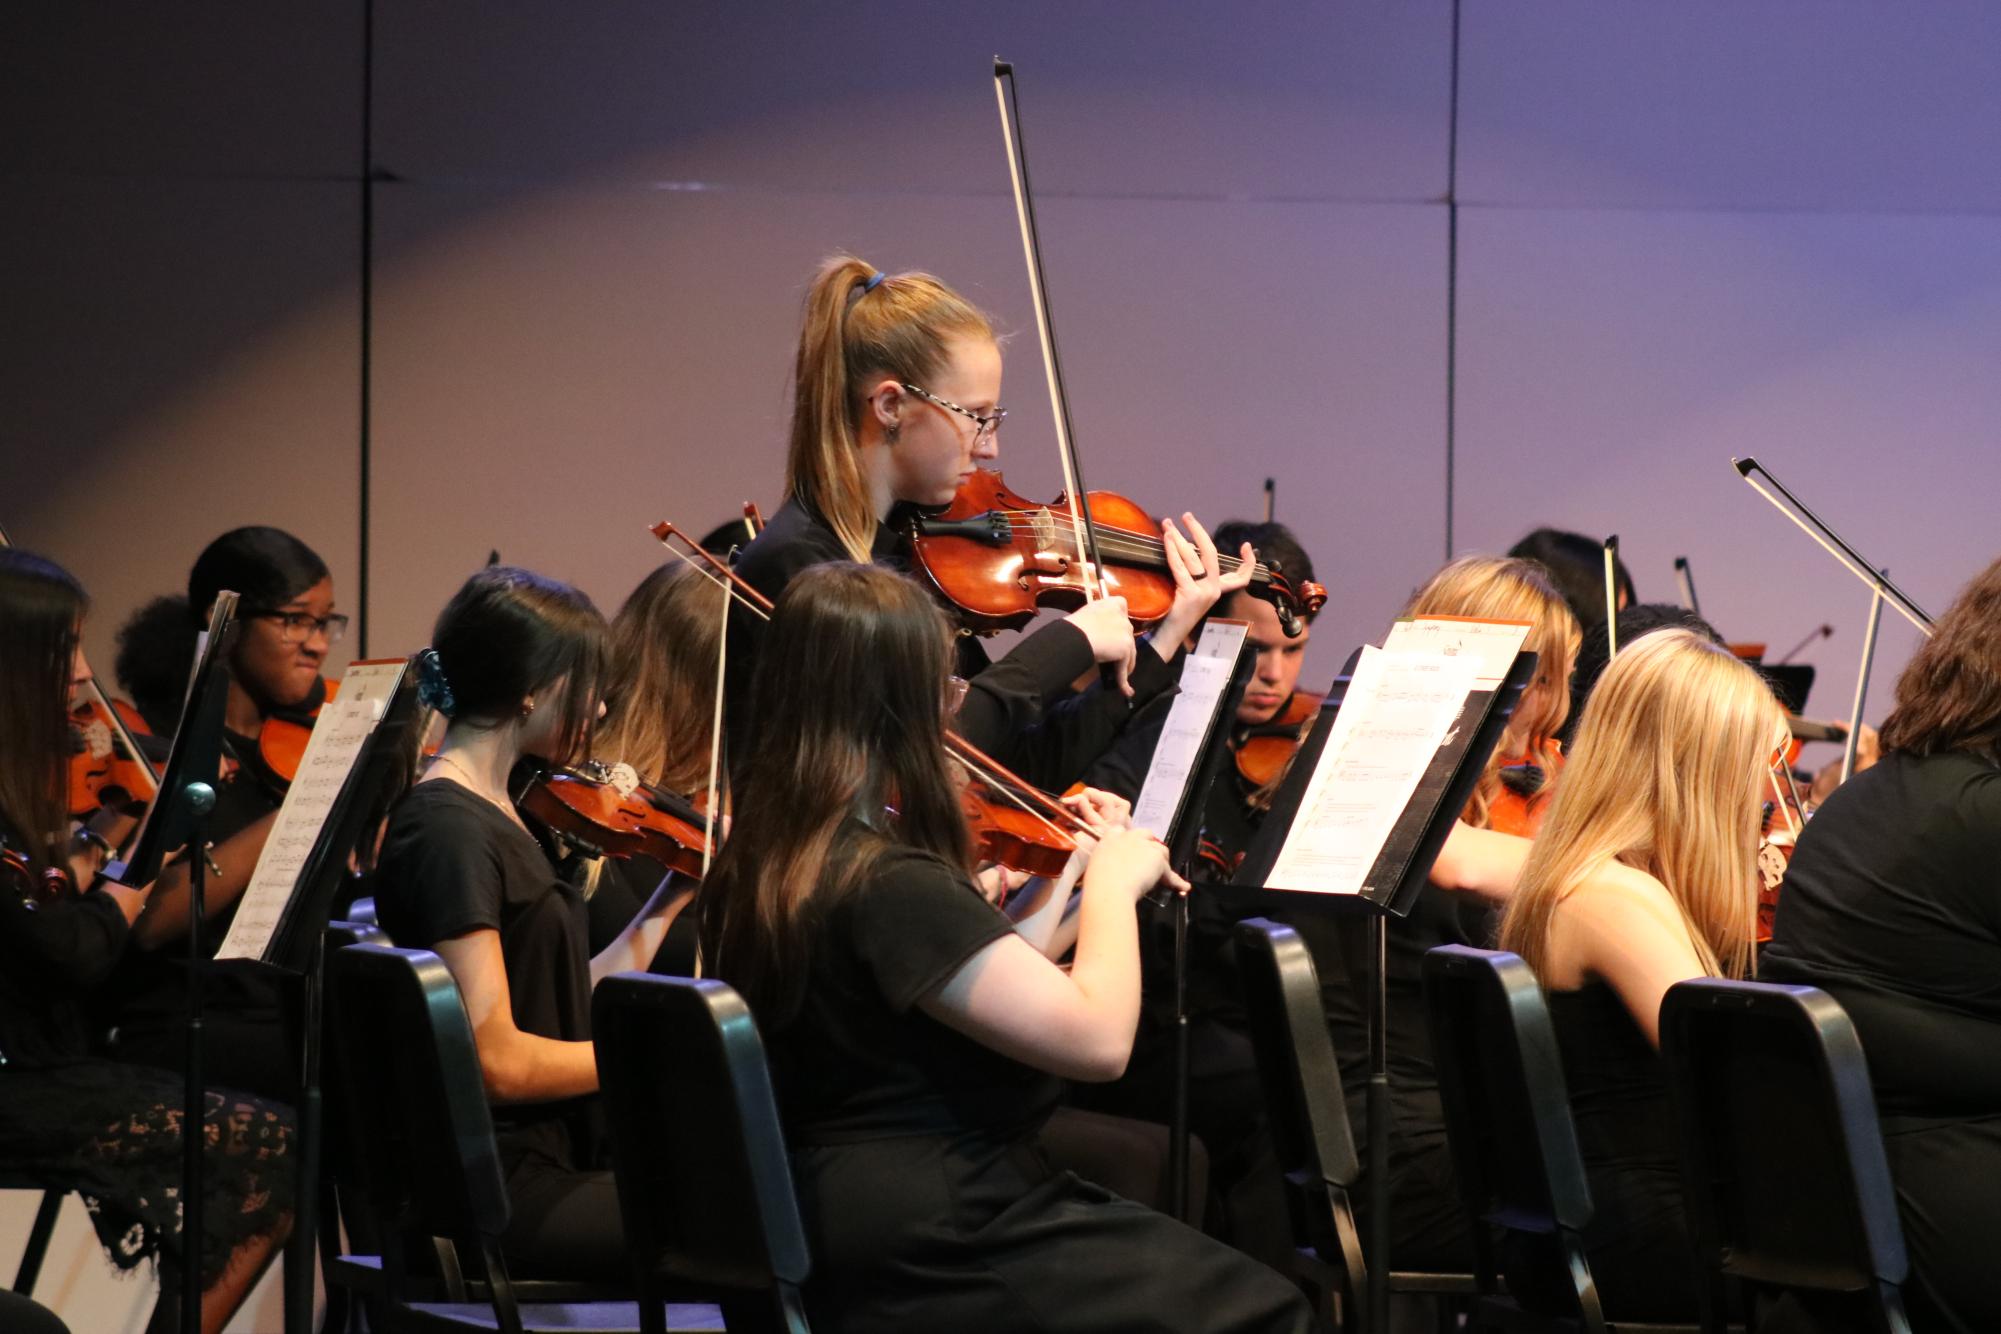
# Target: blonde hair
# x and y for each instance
(1662, 777)
(861, 323)
(664, 644)
(1507, 588)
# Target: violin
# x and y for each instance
(15, 866)
(1265, 751)
(999, 558)
(1784, 816)
(281, 740)
(105, 767)
(592, 813)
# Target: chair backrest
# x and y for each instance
(1782, 1159)
(1507, 1107)
(420, 1139)
(1296, 1061)
(704, 1181)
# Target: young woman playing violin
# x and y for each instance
(287, 626)
(1893, 905)
(108, 1130)
(916, 1035)
(896, 404)
(517, 665)
(1643, 875)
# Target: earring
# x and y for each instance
(891, 431)
(527, 707)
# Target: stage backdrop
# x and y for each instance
(1444, 275)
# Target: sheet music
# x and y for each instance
(1493, 644)
(343, 725)
(1397, 711)
(1205, 676)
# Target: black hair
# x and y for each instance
(508, 633)
(1274, 544)
(1576, 565)
(1594, 650)
(156, 650)
(41, 605)
(265, 567)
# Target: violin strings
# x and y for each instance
(1132, 544)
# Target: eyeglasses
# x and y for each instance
(296, 627)
(984, 427)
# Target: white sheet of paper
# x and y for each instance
(1205, 675)
(338, 733)
(1493, 644)
(1397, 711)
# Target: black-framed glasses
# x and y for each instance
(296, 627)
(984, 427)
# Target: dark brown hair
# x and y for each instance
(41, 605)
(663, 667)
(1949, 697)
(847, 721)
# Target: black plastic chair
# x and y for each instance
(421, 1167)
(1310, 1131)
(1507, 1117)
(1787, 1183)
(704, 1181)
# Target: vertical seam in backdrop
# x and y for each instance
(1452, 282)
(367, 300)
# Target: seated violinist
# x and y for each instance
(69, 1119)
(896, 405)
(287, 626)
(517, 665)
(916, 1035)
(1893, 905)
(1643, 875)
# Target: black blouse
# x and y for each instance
(861, 1061)
(452, 863)
(52, 951)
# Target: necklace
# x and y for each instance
(472, 784)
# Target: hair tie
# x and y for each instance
(433, 690)
(874, 282)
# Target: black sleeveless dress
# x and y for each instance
(1638, 1240)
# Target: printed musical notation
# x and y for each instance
(1205, 676)
(343, 726)
(1398, 710)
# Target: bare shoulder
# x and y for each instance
(1616, 919)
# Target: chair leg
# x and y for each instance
(1590, 1313)
(1890, 1304)
(791, 1308)
(652, 1307)
(37, 1249)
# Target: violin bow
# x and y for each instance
(1684, 579)
(95, 693)
(1611, 599)
(997, 776)
(1086, 532)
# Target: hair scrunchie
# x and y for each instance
(874, 282)
(433, 690)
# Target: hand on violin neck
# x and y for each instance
(1103, 813)
(1200, 582)
(1110, 630)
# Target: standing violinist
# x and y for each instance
(896, 404)
(915, 1033)
(287, 624)
(1892, 904)
(517, 666)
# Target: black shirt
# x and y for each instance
(1020, 710)
(860, 1061)
(451, 864)
(1893, 905)
(52, 949)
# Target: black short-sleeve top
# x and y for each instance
(861, 1061)
(1893, 904)
(452, 863)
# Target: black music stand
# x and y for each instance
(1391, 889)
(1184, 838)
(178, 818)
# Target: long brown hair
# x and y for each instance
(1508, 588)
(1949, 697)
(41, 606)
(663, 671)
(846, 721)
(1668, 754)
(860, 323)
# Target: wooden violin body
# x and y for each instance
(101, 768)
(1265, 752)
(1009, 836)
(594, 815)
(999, 558)
(281, 742)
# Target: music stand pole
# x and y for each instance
(1378, 1105)
(198, 799)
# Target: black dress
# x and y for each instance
(452, 863)
(1893, 906)
(1020, 710)
(111, 1131)
(1637, 1241)
(925, 1200)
